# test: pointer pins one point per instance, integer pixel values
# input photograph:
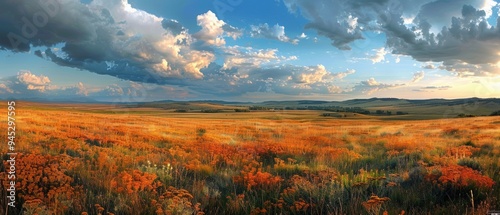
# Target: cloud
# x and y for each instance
(312, 79)
(469, 42)
(418, 76)
(317, 75)
(245, 58)
(113, 38)
(335, 89)
(379, 55)
(463, 69)
(429, 66)
(141, 46)
(81, 89)
(440, 88)
(275, 32)
(214, 30)
(26, 85)
(218, 82)
(342, 28)
(433, 12)
(453, 33)
(432, 88)
(173, 26)
(112, 91)
(34, 82)
(274, 77)
(342, 75)
(371, 86)
(4, 89)
(27, 77)
(314, 75)
(398, 59)
(138, 92)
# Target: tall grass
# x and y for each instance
(136, 164)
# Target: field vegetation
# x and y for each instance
(102, 160)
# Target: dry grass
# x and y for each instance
(289, 162)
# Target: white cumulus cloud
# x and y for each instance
(275, 32)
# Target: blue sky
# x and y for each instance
(241, 50)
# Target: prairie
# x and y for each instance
(106, 159)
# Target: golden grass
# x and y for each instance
(295, 162)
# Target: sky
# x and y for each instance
(242, 50)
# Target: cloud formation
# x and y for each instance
(275, 32)
(34, 82)
(113, 38)
(418, 76)
(454, 33)
(214, 30)
(4, 89)
(432, 88)
(429, 66)
(172, 25)
(152, 53)
(275, 77)
(141, 46)
(379, 55)
(27, 85)
(245, 58)
(371, 86)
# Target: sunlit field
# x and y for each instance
(96, 159)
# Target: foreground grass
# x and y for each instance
(81, 162)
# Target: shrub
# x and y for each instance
(467, 162)
(451, 131)
(460, 176)
(211, 111)
(470, 143)
(201, 131)
(241, 110)
(463, 115)
(496, 113)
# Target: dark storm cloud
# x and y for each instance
(43, 23)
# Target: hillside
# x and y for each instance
(413, 109)
(391, 108)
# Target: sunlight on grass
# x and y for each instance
(95, 163)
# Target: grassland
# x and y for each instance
(103, 159)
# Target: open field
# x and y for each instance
(409, 109)
(104, 159)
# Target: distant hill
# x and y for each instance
(187, 106)
(433, 108)
(430, 107)
(387, 108)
